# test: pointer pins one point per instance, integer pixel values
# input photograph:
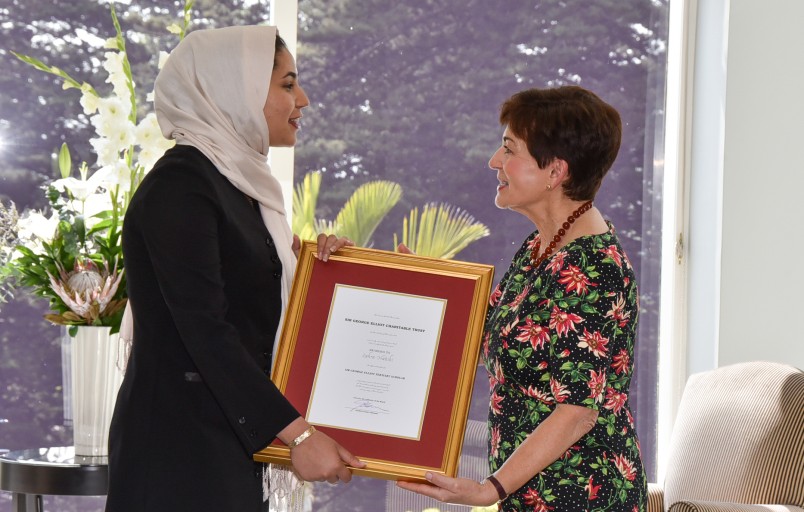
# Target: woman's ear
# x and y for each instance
(559, 171)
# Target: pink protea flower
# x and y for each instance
(87, 290)
(495, 296)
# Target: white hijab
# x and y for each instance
(210, 94)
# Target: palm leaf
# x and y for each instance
(441, 232)
(364, 211)
(305, 199)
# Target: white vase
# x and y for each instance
(95, 382)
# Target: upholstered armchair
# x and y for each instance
(737, 443)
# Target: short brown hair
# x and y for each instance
(568, 123)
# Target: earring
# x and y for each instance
(549, 187)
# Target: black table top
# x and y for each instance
(55, 470)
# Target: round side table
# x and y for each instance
(28, 474)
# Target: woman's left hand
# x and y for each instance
(327, 244)
(460, 491)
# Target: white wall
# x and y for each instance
(757, 280)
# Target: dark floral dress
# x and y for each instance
(564, 333)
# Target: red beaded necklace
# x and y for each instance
(558, 236)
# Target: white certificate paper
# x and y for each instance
(376, 361)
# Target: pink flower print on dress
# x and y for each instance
(574, 280)
(597, 384)
(534, 500)
(615, 400)
(563, 321)
(595, 342)
(612, 253)
(556, 262)
(617, 311)
(535, 334)
(559, 391)
(625, 466)
(621, 362)
(496, 400)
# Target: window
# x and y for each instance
(410, 92)
(401, 91)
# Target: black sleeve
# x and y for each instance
(178, 219)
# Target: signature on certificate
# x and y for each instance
(367, 406)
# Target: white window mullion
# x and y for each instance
(284, 15)
(675, 221)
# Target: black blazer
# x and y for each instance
(196, 401)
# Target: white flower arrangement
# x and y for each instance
(72, 254)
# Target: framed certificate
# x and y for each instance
(379, 350)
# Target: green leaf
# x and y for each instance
(305, 199)
(69, 82)
(441, 232)
(586, 308)
(365, 209)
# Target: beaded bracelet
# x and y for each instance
(304, 435)
(497, 485)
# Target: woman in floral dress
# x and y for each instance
(561, 326)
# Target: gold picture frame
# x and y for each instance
(460, 289)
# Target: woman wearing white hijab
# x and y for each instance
(209, 261)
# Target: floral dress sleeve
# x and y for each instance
(584, 284)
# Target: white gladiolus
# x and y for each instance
(111, 110)
(121, 135)
(114, 176)
(112, 122)
(113, 64)
(88, 277)
(89, 101)
(151, 142)
(148, 131)
(107, 152)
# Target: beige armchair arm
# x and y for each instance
(655, 498)
(712, 506)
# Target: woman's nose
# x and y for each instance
(494, 161)
(302, 100)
